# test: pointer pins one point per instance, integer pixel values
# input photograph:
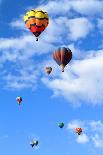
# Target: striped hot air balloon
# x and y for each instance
(36, 21)
(62, 56)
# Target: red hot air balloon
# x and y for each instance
(78, 131)
(62, 56)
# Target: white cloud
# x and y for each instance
(25, 79)
(56, 7)
(63, 29)
(79, 28)
(54, 32)
(27, 44)
(75, 124)
(82, 139)
(96, 125)
(81, 81)
(98, 141)
(19, 24)
(84, 7)
(92, 7)
(21, 55)
(97, 129)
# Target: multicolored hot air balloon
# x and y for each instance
(19, 100)
(34, 143)
(78, 131)
(36, 21)
(48, 70)
(61, 125)
(62, 56)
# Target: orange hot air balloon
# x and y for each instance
(62, 56)
(36, 21)
(78, 131)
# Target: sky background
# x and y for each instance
(74, 97)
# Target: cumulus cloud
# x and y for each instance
(79, 28)
(27, 44)
(93, 7)
(63, 29)
(81, 81)
(75, 124)
(83, 7)
(92, 132)
(82, 139)
(19, 24)
(20, 55)
(57, 7)
(97, 129)
(25, 79)
(98, 141)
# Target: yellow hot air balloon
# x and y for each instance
(36, 21)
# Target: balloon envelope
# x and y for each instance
(48, 70)
(19, 100)
(61, 125)
(36, 21)
(62, 56)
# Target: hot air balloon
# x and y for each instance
(34, 143)
(19, 100)
(61, 125)
(36, 21)
(78, 131)
(62, 56)
(48, 70)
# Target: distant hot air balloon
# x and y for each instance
(78, 131)
(19, 100)
(61, 125)
(62, 56)
(36, 21)
(48, 70)
(34, 143)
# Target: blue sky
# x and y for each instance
(73, 97)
